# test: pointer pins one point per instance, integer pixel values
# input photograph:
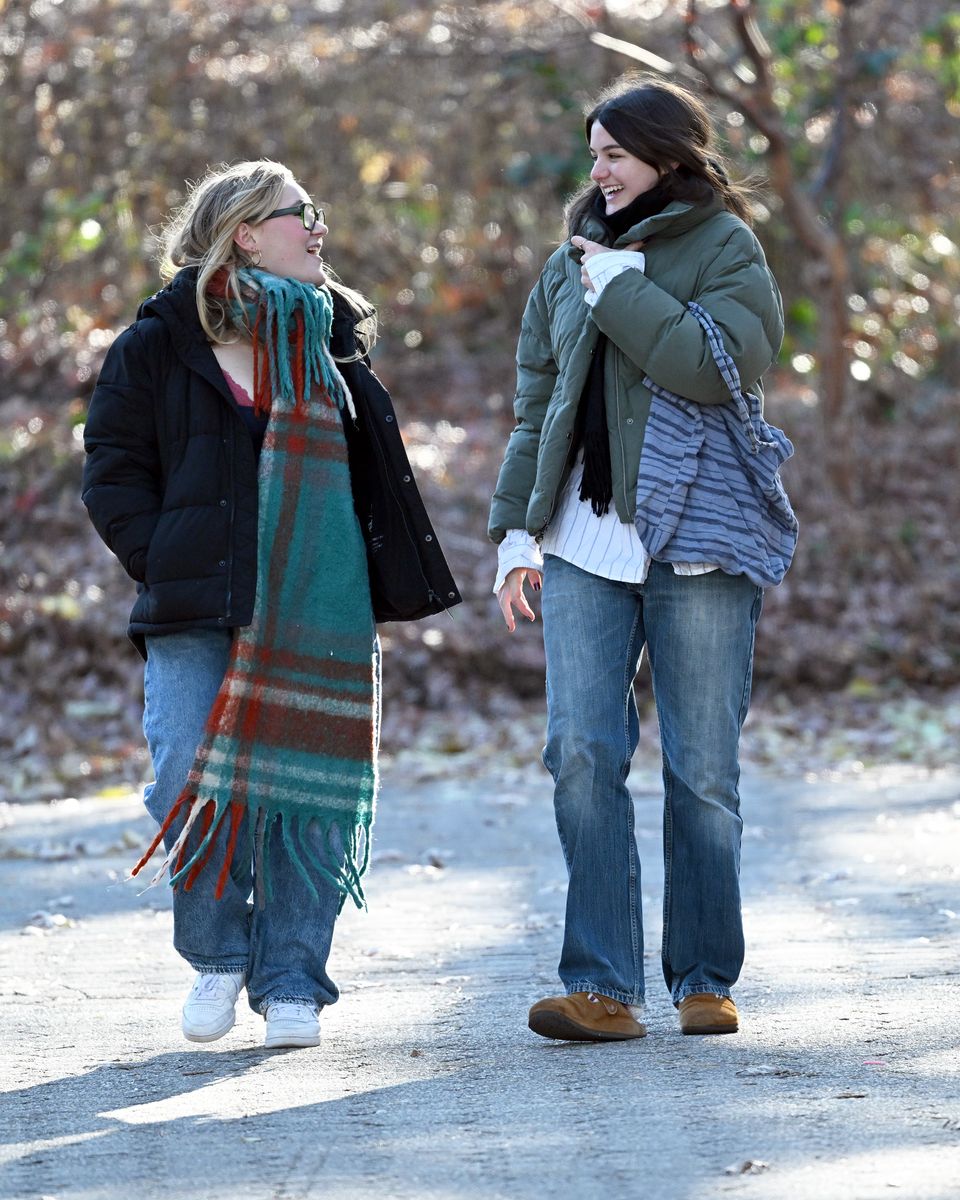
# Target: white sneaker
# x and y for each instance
(208, 1012)
(291, 1025)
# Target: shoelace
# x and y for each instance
(291, 1012)
(209, 987)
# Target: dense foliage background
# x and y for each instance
(443, 139)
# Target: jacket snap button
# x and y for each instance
(629, 420)
(428, 538)
(388, 419)
(406, 479)
(223, 562)
(220, 620)
(450, 595)
(223, 504)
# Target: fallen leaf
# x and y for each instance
(750, 1166)
(49, 920)
(387, 856)
(429, 871)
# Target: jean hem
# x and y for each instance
(702, 989)
(205, 967)
(584, 985)
(307, 1000)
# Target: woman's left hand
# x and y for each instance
(588, 249)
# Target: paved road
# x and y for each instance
(845, 1081)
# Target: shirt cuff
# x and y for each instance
(518, 549)
(608, 265)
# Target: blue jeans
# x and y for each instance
(699, 634)
(283, 946)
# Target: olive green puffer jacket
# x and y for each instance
(693, 252)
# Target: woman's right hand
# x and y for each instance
(511, 594)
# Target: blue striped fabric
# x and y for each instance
(709, 486)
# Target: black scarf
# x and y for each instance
(590, 429)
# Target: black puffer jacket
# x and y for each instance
(170, 479)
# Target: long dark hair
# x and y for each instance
(662, 124)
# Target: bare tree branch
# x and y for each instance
(800, 208)
(752, 41)
(831, 169)
(632, 50)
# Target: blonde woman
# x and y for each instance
(235, 434)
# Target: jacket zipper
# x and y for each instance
(623, 453)
(568, 465)
(431, 595)
(564, 479)
(231, 450)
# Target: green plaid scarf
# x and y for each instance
(290, 740)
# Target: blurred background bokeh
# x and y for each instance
(443, 139)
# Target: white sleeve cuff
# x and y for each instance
(607, 265)
(518, 549)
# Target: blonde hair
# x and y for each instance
(201, 234)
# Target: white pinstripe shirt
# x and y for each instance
(603, 546)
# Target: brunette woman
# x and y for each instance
(609, 325)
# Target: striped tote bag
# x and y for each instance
(709, 487)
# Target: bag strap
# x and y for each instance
(744, 402)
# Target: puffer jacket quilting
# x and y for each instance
(170, 477)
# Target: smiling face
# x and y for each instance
(285, 247)
(621, 176)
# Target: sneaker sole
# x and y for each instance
(279, 1041)
(208, 1037)
(562, 1029)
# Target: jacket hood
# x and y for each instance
(176, 306)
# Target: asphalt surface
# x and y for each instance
(844, 1082)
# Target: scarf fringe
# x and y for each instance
(596, 484)
(294, 319)
(345, 858)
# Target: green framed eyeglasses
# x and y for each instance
(308, 213)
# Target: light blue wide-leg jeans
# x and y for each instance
(699, 633)
(283, 946)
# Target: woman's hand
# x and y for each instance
(511, 593)
(588, 249)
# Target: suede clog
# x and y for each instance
(705, 1013)
(584, 1017)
